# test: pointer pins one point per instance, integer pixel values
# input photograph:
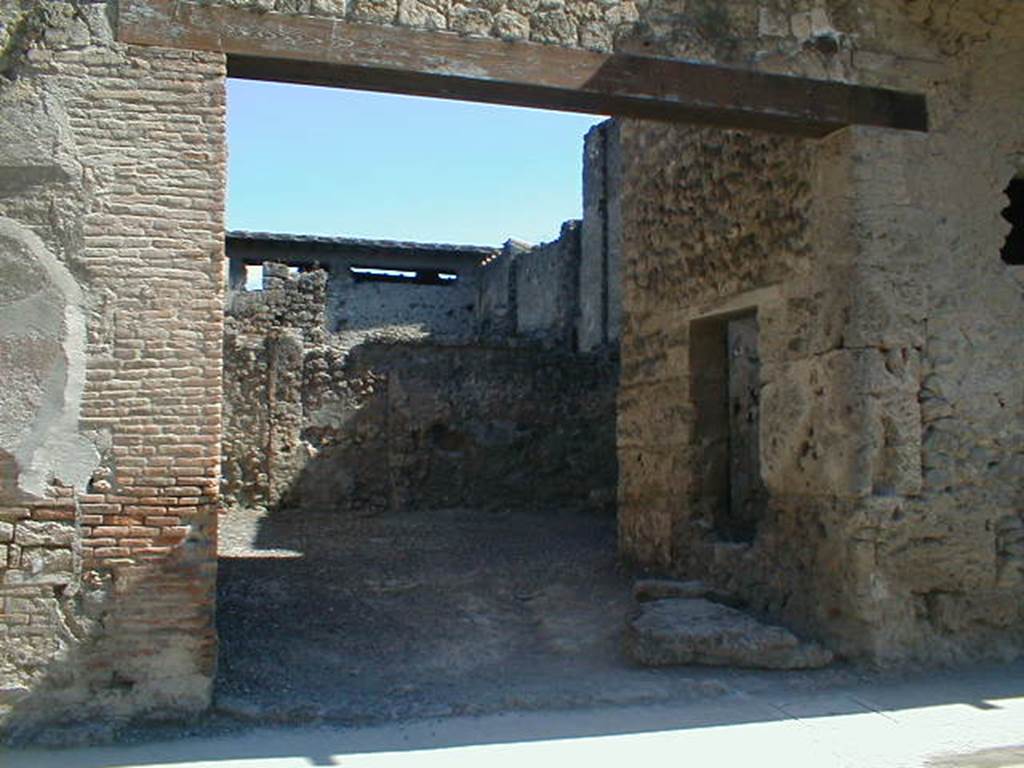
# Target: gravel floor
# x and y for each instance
(435, 613)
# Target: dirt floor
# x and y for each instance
(461, 638)
(439, 613)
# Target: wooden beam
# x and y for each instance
(323, 51)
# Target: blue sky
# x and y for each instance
(329, 161)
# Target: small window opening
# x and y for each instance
(408, 276)
(254, 277)
(726, 390)
(1013, 248)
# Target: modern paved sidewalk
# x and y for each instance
(963, 719)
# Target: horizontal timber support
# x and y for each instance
(323, 51)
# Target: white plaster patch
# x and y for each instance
(42, 335)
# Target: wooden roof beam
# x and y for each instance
(324, 51)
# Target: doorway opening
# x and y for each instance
(419, 440)
(725, 385)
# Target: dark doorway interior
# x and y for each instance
(725, 389)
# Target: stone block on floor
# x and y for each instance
(679, 631)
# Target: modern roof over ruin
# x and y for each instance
(354, 243)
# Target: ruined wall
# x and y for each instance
(891, 411)
(266, 334)
(547, 289)
(111, 199)
(738, 240)
(359, 307)
(388, 424)
(364, 309)
(532, 294)
(954, 547)
(460, 426)
(496, 302)
(600, 313)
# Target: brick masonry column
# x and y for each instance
(108, 586)
(151, 133)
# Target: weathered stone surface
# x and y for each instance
(888, 437)
(374, 11)
(33, 534)
(646, 590)
(42, 344)
(361, 421)
(547, 286)
(600, 313)
(329, 7)
(681, 631)
(43, 566)
(509, 25)
(412, 13)
(553, 26)
(467, 20)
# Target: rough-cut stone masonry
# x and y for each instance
(370, 395)
(823, 36)
(891, 409)
(515, 294)
(879, 42)
(396, 422)
(112, 200)
(359, 308)
(879, 260)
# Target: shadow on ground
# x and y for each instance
(345, 636)
(419, 614)
(777, 725)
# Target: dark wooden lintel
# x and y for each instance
(323, 51)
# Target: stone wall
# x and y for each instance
(520, 293)
(890, 408)
(547, 290)
(496, 306)
(111, 222)
(534, 294)
(407, 426)
(112, 164)
(881, 41)
(312, 420)
(600, 312)
(367, 309)
(577, 24)
(384, 395)
(739, 240)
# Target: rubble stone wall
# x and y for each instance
(891, 411)
(738, 240)
(361, 309)
(391, 423)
